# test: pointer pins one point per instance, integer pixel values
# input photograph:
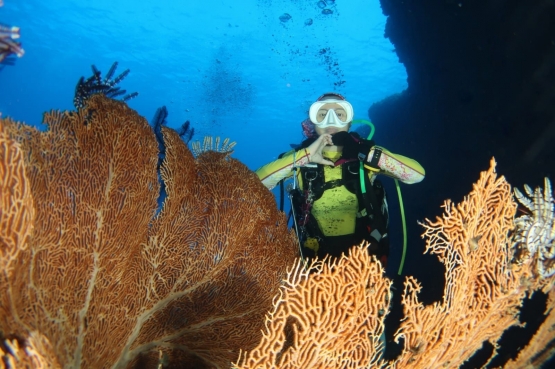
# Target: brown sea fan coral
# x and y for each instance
(34, 352)
(107, 280)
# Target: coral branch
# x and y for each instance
(329, 315)
(17, 213)
(542, 346)
(36, 352)
(483, 293)
(107, 280)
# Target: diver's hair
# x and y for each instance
(331, 96)
(309, 129)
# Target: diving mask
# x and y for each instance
(331, 113)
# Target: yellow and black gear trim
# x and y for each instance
(312, 243)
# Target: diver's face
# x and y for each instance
(333, 124)
(340, 114)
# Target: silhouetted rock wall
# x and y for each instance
(481, 78)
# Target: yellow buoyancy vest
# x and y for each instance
(336, 211)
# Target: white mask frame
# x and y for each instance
(331, 119)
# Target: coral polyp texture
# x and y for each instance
(94, 275)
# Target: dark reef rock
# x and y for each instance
(481, 77)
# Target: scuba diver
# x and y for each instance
(337, 201)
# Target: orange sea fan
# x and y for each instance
(483, 293)
(327, 315)
(107, 280)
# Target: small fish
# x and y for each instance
(327, 11)
(308, 22)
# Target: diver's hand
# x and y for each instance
(315, 149)
(343, 138)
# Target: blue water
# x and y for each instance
(247, 69)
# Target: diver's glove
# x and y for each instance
(353, 147)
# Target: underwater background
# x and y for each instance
(246, 70)
(448, 83)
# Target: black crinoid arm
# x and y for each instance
(95, 84)
(186, 132)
